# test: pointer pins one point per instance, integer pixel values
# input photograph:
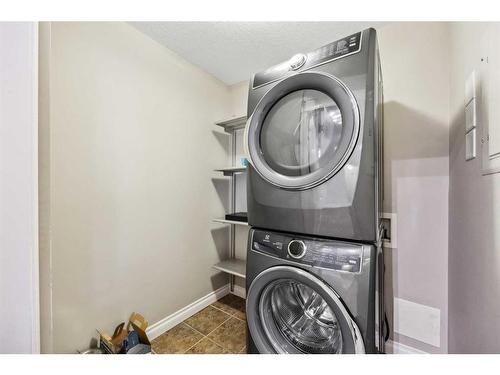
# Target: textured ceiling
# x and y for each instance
(233, 51)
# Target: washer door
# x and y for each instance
(303, 130)
(291, 311)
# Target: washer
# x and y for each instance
(313, 142)
(309, 295)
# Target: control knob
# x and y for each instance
(297, 61)
(296, 249)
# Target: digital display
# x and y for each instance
(343, 259)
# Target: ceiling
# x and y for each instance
(233, 51)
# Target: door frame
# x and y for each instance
(35, 256)
(19, 175)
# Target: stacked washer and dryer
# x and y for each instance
(314, 260)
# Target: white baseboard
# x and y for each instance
(392, 347)
(239, 291)
(179, 316)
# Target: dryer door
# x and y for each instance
(291, 311)
(302, 131)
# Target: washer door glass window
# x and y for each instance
(290, 310)
(300, 316)
(301, 133)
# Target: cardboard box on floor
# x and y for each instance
(114, 344)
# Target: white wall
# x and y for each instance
(415, 67)
(416, 180)
(18, 189)
(130, 156)
(474, 266)
(239, 98)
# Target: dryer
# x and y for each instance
(313, 142)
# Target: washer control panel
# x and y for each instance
(333, 51)
(336, 255)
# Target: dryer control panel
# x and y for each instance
(322, 253)
(335, 50)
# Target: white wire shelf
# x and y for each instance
(228, 171)
(233, 123)
(234, 266)
(236, 222)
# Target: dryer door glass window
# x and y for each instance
(302, 317)
(301, 133)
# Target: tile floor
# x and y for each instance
(217, 329)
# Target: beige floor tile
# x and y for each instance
(207, 320)
(217, 329)
(176, 340)
(231, 335)
(223, 304)
(239, 306)
(232, 305)
(207, 346)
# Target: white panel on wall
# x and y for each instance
(470, 115)
(417, 321)
(470, 145)
(470, 87)
(493, 92)
(490, 82)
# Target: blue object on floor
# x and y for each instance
(133, 339)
